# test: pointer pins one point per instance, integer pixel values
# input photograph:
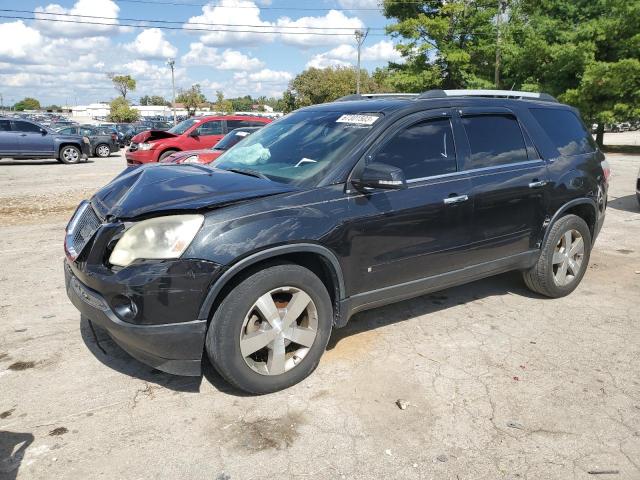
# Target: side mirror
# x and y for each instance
(380, 175)
(43, 131)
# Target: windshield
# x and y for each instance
(299, 147)
(231, 139)
(183, 126)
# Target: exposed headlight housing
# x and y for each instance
(145, 146)
(156, 238)
(192, 159)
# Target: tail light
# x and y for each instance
(606, 170)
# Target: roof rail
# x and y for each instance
(369, 96)
(487, 93)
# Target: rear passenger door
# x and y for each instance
(509, 183)
(206, 135)
(9, 143)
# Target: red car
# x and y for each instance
(208, 156)
(192, 134)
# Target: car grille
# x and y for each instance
(82, 229)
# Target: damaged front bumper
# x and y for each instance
(152, 315)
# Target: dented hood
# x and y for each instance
(168, 187)
(151, 135)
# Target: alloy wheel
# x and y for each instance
(103, 151)
(568, 257)
(278, 331)
(70, 155)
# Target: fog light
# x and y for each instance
(124, 307)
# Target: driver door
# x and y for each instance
(205, 135)
(409, 234)
(33, 139)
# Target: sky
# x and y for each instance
(66, 63)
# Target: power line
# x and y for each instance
(148, 20)
(218, 5)
(167, 27)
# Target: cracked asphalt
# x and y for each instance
(498, 383)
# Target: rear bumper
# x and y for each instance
(173, 348)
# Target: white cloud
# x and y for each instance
(345, 54)
(334, 22)
(98, 8)
(17, 40)
(150, 44)
(228, 59)
(231, 12)
(359, 4)
(270, 76)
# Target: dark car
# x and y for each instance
(22, 139)
(209, 155)
(103, 141)
(329, 211)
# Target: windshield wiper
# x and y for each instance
(247, 171)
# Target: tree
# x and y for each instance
(316, 85)
(445, 44)
(121, 111)
(222, 105)
(53, 108)
(123, 84)
(27, 103)
(191, 98)
(242, 104)
(154, 100)
(584, 52)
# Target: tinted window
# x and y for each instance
(5, 126)
(233, 124)
(88, 131)
(26, 127)
(494, 140)
(565, 131)
(67, 131)
(422, 150)
(210, 128)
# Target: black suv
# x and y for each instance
(331, 210)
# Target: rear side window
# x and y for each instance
(494, 140)
(233, 124)
(421, 150)
(26, 127)
(210, 128)
(565, 130)
(5, 126)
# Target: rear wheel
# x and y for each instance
(103, 151)
(166, 154)
(563, 260)
(69, 154)
(271, 329)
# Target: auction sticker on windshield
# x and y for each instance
(358, 119)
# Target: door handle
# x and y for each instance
(538, 184)
(454, 200)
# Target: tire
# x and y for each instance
(102, 150)
(166, 154)
(70, 154)
(546, 277)
(237, 314)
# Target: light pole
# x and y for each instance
(361, 35)
(171, 62)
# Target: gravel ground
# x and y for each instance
(496, 382)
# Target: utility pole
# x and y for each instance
(361, 35)
(502, 5)
(171, 62)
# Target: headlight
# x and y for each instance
(192, 159)
(156, 238)
(145, 146)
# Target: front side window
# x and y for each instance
(5, 126)
(213, 127)
(21, 126)
(301, 147)
(424, 149)
(565, 131)
(494, 140)
(180, 128)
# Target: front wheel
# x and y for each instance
(563, 260)
(69, 154)
(271, 329)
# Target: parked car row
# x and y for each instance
(103, 141)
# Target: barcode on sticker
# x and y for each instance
(358, 119)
